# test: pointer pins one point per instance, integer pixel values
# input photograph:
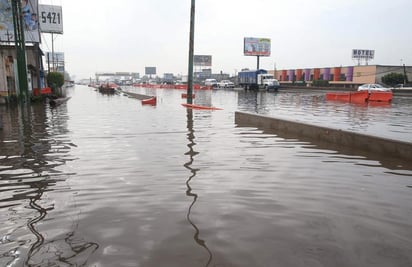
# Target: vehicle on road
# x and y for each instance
(257, 79)
(225, 84)
(211, 82)
(373, 87)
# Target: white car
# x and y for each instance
(373, 87)
(225, 84)
(211, 82)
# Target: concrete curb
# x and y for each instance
(344, 140)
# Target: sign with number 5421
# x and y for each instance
(50, 19)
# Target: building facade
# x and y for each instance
(8, 69)
(350, 76)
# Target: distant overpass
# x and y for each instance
(118, 75)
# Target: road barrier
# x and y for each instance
(346, 141)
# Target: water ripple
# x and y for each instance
(105, 181)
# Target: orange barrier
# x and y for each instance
(360, 97)
(380, 96)
(192, 106)
(356, 97)
(42, 91)
(338, 96)
(185, 95)
(181, 86)
(173, 86)
(149, 101)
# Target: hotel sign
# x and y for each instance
(363, 54)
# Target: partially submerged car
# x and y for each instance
(373, 87)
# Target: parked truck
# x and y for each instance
(257, 79)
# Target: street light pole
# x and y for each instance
(191, 53)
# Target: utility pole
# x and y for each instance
(404, 75)
(258, 62)
(191, 54)
(20, 44)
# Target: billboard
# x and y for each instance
(168, 76)
(256, 46)
(50, 19)
(363, 54)
(56, 56)
(30, 21)
(150, 70)
(202, 60)
(55, 61)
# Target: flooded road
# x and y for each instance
(105, 181)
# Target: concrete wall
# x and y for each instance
(373, 146)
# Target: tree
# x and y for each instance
(55, 80)
(393, 79)
(67, 76)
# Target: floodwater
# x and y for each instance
(104, 181)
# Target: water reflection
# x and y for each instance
(33, 147)
(191, 153)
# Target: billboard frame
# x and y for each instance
(51, 19)
(29, 19)
(150, 70)
(253, 46)
(202, 60)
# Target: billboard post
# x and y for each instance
(258, 47)
(23, 86)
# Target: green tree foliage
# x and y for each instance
(55, 80)
(393, 79)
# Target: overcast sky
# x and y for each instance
(129, 35)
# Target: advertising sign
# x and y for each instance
(168, 76)
(202, 60)
(51, 19)
(56, 56)
(256, 46)
(150, 70)
(363, 54)
(30, 21)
